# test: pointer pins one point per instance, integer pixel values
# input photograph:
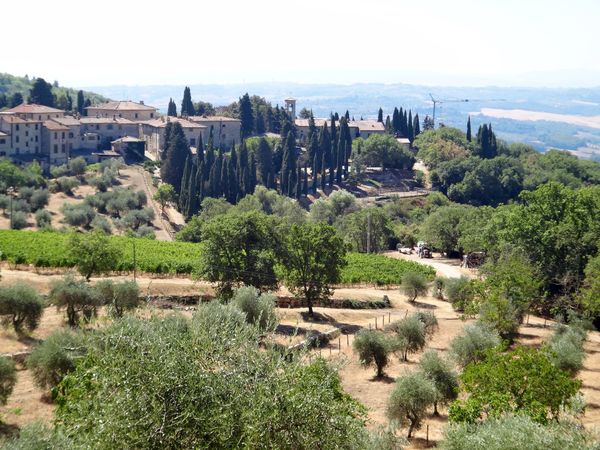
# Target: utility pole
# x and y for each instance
(369, 233)
(10, 191)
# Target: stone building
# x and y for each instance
(125, 109)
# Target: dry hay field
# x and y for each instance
(28, 402)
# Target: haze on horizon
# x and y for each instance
(463, 42)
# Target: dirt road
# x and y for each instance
(445, 267)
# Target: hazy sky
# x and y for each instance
(104, 42)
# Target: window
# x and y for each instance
(26, 144)
(55, 135)
(26, 133)
(39, 117)
(97, 127)
(36, 139)
(2, 141)
(63, 148)
(63, 134)
(17, 127)
(70, 135)
(110, 126)
(55, 148)
(2, 153)
(16, 138)
(136, 115)
(36, 126)
(152, 115)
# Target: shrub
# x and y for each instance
(119, 296)
(39, 199)
(66, 185)
(565, 348)
(43, 218)
(373, 348)
(55, 357)
(473, 343)
(59, 171)
(259, 309)
(76, 296)
(4, 202)
(439, 284)
(20, 306)
(77, 166)
(429, 320)
(443, 376)
(459, 292)
(522, 381)
(517, 432)
(18, 220)
(8, 378)
(37, 436)
(101, 223)
(78, 215)
(145, 231)
(500, 313)
(414, 284)
(413, 394)
(409, 335)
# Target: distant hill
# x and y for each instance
(10, 85)
(365, 99)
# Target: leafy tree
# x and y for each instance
(413, 394)
(164, 195)
(217, 389)
(76, 296)
(313, 257)
(441, 230)
(118, 296)
(522, 381)
(258, 308)
(443, 376)
(409, 334)
(41, 93)
(92, 253)
(414, 284)
(77, 166)
(176, 153)
(239, 249)
(461, 293)
(37, 435)
(368, 229)
(78, 214)
(8, 378)
(16, 99)
(336, 206)
(18, 220)
(43, 218)
(472, 345)
(517, 431)
(383, 150)
(430, 322)
(589, 295)
(56, 357)
(373, 348)
(20, 306)
(565, 348)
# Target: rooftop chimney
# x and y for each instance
(141, 102)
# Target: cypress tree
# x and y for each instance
(323, 173)
(183, 192)
(313, 148)
(388, 125)
(264, 161)
(246, 116)
(80, 102)
(187, 106)
(410, 130)
(314, 177)
(325, 145)
(299, 183)
(200, 149)
(347, 115)
(469, 129)
(395, 121)
(41, 93)
(380, 115)
(171, 170)
(233, 190)
(305, 182)
(69, 105)
(416, 125)
(172, 109)
(252, 175)
(166, 139)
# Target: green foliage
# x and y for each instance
(203, 384)
(76, 296)
(413, 394)
(77, 166)
(440, 228)
(78, 214)
(37, 436)
(373, 348)
(517, 432)
(164, 195)
(20, 306)
(368, 229)
(330, 209)
(472, 345)
(442, 144)
(460, 292)
(589, 295)
(443, 376)
(258, 308)
(92, 253)
(8, 378)
(18, 220)
(429, 320)
(239, 249)
(43, 218)
(383, 150)
(380, 270)
(64, 185)
(414, 284)
(409, 335)
(38, 199)
(522, 381)
(565, 348)
(313, 258)
(56, 356)
(118, 296)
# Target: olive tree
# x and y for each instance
(413, 394)
(414, 284)
(442, 374)
(473, 343)
(20, 306)
(76, 296)
(409, 335)
(55, 357)
(259, 309)
(373, 348)
(565, 348)
(8, 378)
(118, 296)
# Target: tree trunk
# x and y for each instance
(411, 428)
(435, 410)
(310, 307)
(379, 371)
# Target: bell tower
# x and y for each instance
(290, 107)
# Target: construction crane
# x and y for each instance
(458, 100)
